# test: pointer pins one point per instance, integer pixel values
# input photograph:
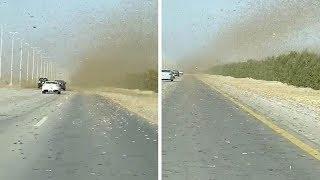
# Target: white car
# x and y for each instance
(181, 73)
(51, 87)
(167, 75)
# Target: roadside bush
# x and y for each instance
(300, 69)
(151, 80)
(143, 81)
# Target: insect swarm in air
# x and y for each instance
(123, 52)
(261, 30)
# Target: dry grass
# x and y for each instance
(143, 103)
(270, 89)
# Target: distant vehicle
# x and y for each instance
(41, 81)
(62, 84)
(180, 73)
(167, 75)
(176, 73)
(51, 87)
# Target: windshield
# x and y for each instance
(51, 82)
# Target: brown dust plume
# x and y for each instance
(264, 29)
(123, 50)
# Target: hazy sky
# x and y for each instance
(188, 23)
(238, 29)
(56, 26)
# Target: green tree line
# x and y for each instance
(301, 69)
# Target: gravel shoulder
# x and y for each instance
(296, 109)
(143, 103)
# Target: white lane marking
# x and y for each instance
(41, 121)
(59, 104)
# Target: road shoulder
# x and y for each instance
(272, 117)
(142, 103)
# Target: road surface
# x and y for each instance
(206, 137)
(73, 136)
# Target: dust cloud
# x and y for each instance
(263, 29)
(123, 46)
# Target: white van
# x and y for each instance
(51, 87)
(167, 75)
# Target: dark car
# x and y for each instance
(62, 84)
(41, 82)
(176, 73)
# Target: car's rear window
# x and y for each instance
(166, 71)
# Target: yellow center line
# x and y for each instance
(267, 121)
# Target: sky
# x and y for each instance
(235, 30)
(55, 26)
(188, 23)
(62, 28)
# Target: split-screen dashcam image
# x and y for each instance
(159, 89)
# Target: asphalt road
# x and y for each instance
(206, 137)
(73, 137)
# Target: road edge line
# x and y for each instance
(267, 121)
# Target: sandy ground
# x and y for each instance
(280, 90)
(297, 109)
(143, 103)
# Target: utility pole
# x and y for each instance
(32, 75)
(55, 71)
(38, 68)
(28, 58)
(1, 42)
(48, 69)
(51, 70)
(46, 64)
(44, 68)
(41, 61)
(20, 62)
(11, 63)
